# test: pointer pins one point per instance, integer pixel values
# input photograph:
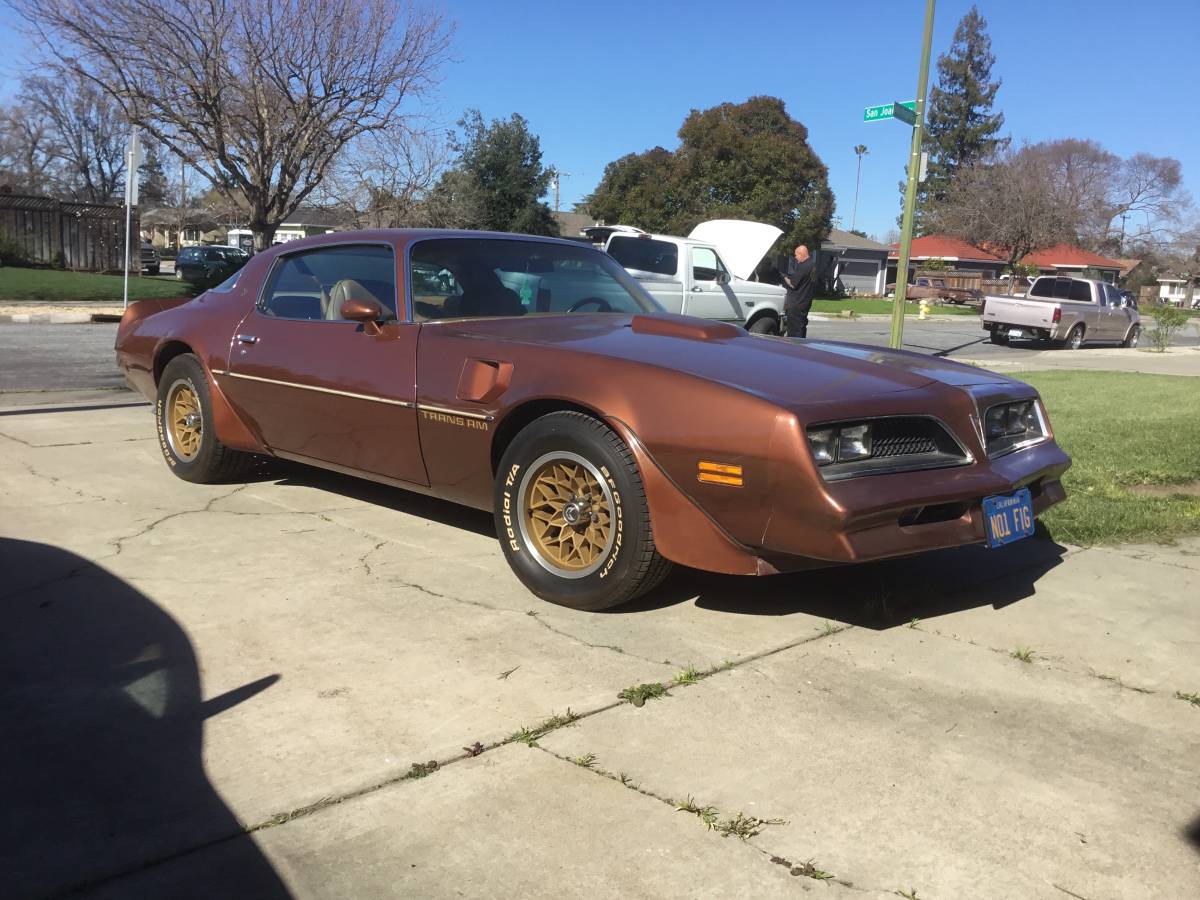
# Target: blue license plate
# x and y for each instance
(1008, 517)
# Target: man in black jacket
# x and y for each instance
(798, 279)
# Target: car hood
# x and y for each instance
(741, 244)
(777, 369)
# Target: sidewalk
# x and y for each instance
(1175, 361)
(311, 686)
(36, 312)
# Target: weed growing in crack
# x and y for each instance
(1192, 698)
(914, 623)
(626, 781)
(1024, 654)
(475, 749)
(529, 736)
(807, 869)
(829, 628)
(688, 676)
(420, 770)
(586, 761)
(745, 827)
(707, 814)
(640, 693)
(910, 894)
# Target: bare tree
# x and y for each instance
(259, 96)
(88, 129)
(1150, 188)
(386, 178)
(1009, 203)
(27, 150)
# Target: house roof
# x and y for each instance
(1128, 265)
(572, 223)
(319, 216)
(850, 241)
(942, 246)
(1069, 256)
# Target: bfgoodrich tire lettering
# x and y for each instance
(572, 517)
(183, 412)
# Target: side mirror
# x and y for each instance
(722, 278)
(369, 312)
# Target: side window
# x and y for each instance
(1043, 287)
(1081, 290)
(314, 284)
(645, 254)
(706, 265)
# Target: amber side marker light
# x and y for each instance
(719, 473)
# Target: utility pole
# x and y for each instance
(182, 218)
(556, 176)
(861, 151)
(910, 189)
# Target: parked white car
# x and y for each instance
(708, 273)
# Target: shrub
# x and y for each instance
(1167, 321)
(12, 253)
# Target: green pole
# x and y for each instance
(910, 189)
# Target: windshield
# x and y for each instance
(476, 277)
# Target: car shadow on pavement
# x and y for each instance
(1192, 833)
(876, 595)
(101, 769)
(287, 474)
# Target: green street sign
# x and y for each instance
(888, 111)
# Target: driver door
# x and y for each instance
(323, 389)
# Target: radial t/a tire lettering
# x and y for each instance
(572, 517)
(189, 443)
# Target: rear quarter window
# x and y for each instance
(645, 255)
(1081, 290)
(1043, 287)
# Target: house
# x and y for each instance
(304, 222)
(957, 254)
(571, 224)
(160, 226)
(1173, 289)
(1067, 259)
(852, 264)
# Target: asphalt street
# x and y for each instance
(80, 357)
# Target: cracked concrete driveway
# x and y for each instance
(303, 686)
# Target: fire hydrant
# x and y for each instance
(924, 305)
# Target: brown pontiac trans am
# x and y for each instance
(534, 378)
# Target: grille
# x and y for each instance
(901, 445)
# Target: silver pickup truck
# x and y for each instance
(1064, 311)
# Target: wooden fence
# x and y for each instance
(86, 236)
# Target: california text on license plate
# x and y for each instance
(1008, 517)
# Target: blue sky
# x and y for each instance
(598, 80)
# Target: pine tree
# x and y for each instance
(960, 128)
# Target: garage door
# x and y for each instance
(858, 276)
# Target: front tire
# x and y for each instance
(186, 436)
(572, 516)
(764, 325)
(1131, 339)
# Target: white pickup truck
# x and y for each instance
(1064, 311)
(707, 274)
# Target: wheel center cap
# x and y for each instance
(192, 420)
(572, 513)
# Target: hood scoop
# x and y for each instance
(684, 327)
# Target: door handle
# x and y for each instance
(696, 289)
(247, 339)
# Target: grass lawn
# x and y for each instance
(1123, 430)
(54, 285)
(884, 307)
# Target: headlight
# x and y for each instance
(1010, 426)
(854, 442)
(824, 443)
(842, 443)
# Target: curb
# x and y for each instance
(58, 318)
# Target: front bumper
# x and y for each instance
(882, 516)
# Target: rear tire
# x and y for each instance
(998, 338)
(1075, 338)
(572, 516)
(764, 325)
(186, 436)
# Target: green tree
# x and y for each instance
(499, 178)
(152, 188)
(960, 128)
(735, 161)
